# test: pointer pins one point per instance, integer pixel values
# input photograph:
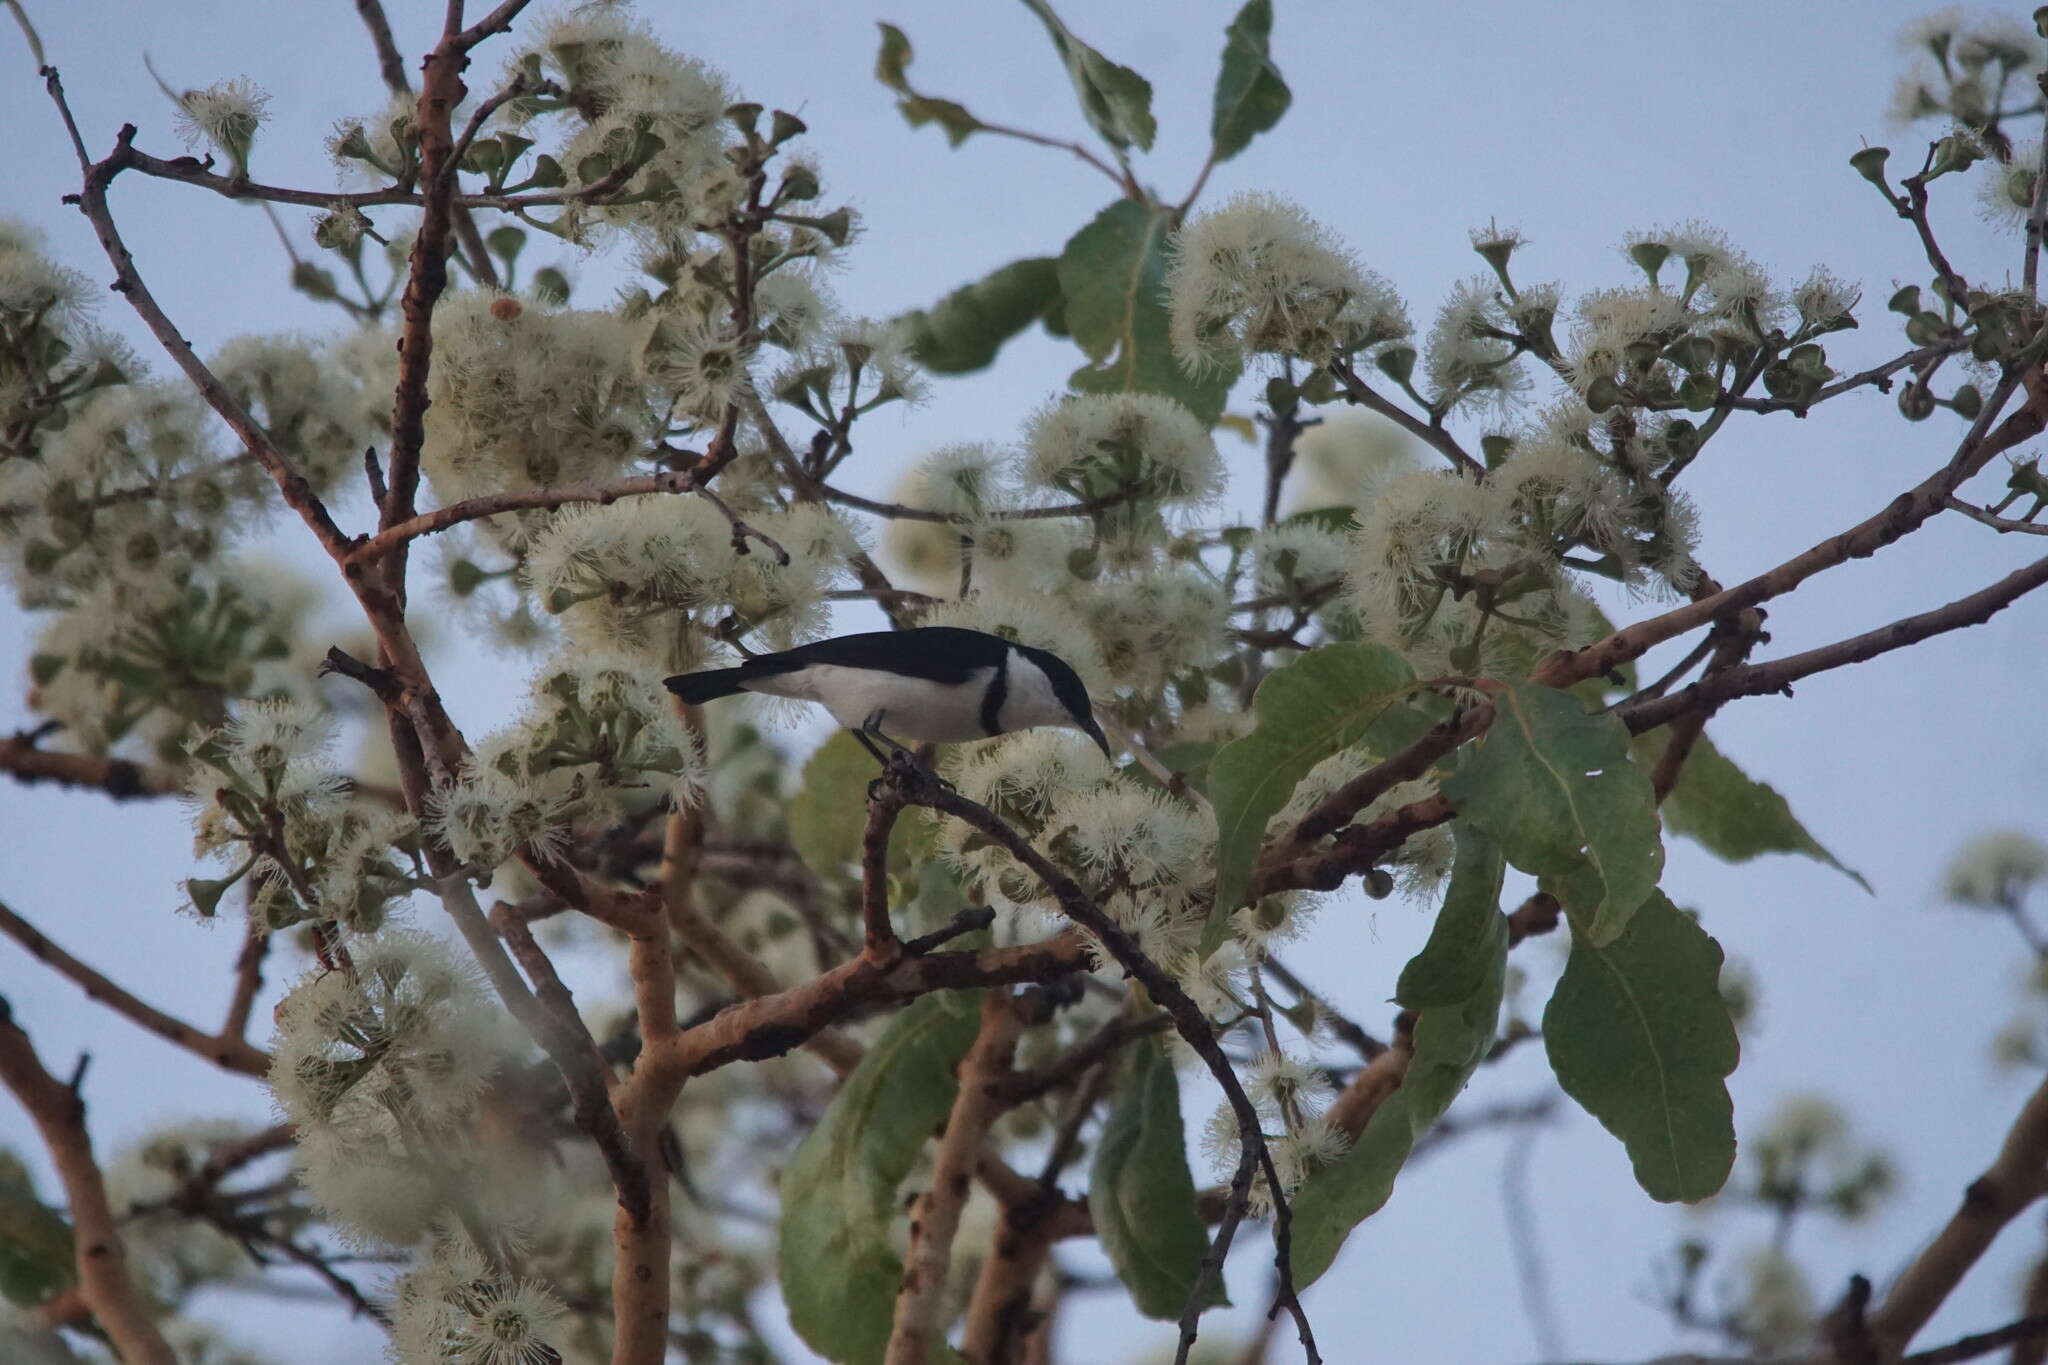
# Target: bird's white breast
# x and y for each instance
(912, 708)
(1028, 698)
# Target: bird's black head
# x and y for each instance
(1067, 686)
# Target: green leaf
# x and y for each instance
(1112, 278)
(1250, 94)
(839, 1274)
(1451, 1039)
(1142, 1195)
(1453, 965)
(36, 1258)
(1327, 700)
(964, 330)
(1116, 99)
(891, 61)
(829, 814)
(1730, 814)
(1555, 785)
(1639, 1035)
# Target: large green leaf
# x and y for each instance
(1453, 964)
(1639, 1035)
(1730, 814)
(1555, 785)
(964, 330)
(891, 63)
(839, 1274)
(36, 1258)
(829, 812)
(1451, 1039)
(1116, 99)
(1327, 700)
(1142, 1195)
(1250, 94)
(828, 816)
(1112, 277)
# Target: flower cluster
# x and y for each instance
(599, 735)
(1258, 276)
(377, 1065)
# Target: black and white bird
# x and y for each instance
(936, 683)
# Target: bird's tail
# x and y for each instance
(710, 685)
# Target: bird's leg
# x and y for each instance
(861, 734)
(900, 762)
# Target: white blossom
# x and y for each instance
(226, 115)
(1258, 275)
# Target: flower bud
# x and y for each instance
(1397, 362)
(1869, 164)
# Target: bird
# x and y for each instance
(940, 684)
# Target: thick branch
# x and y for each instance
(390, 64)
(228, 1051)
(770, 1025)
(884, 805)
(117, 777)
(103, 1281)
(936, 1218)
(2016, 1179)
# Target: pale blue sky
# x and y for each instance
(1576, 121)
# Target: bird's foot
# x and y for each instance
(911, 774)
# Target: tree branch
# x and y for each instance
(2016, 1179)
(1778, 675)
(936, 1217)
(117, 777)
(1192, 1026)
(229, 1052)
(103, 1280)
(390, 64)
(92, 202)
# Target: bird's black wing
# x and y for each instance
(940, 654)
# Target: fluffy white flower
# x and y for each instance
(2005, 190)
(1822, 299)
(1030, 770)
(455, 1307)
(407, 1037)
(1136, 445)
(1997, 869)
(1144, 835)
(1258, 275)
(30, 282)
(701, 369)
(531, 400)
(225, 114)
(1465, 363)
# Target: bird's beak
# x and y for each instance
(1094, 732)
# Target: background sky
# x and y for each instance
(1575, 121)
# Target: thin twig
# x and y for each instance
(1778, 675)
(228, 1052)
(2003, 524)
(1191, 1025)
